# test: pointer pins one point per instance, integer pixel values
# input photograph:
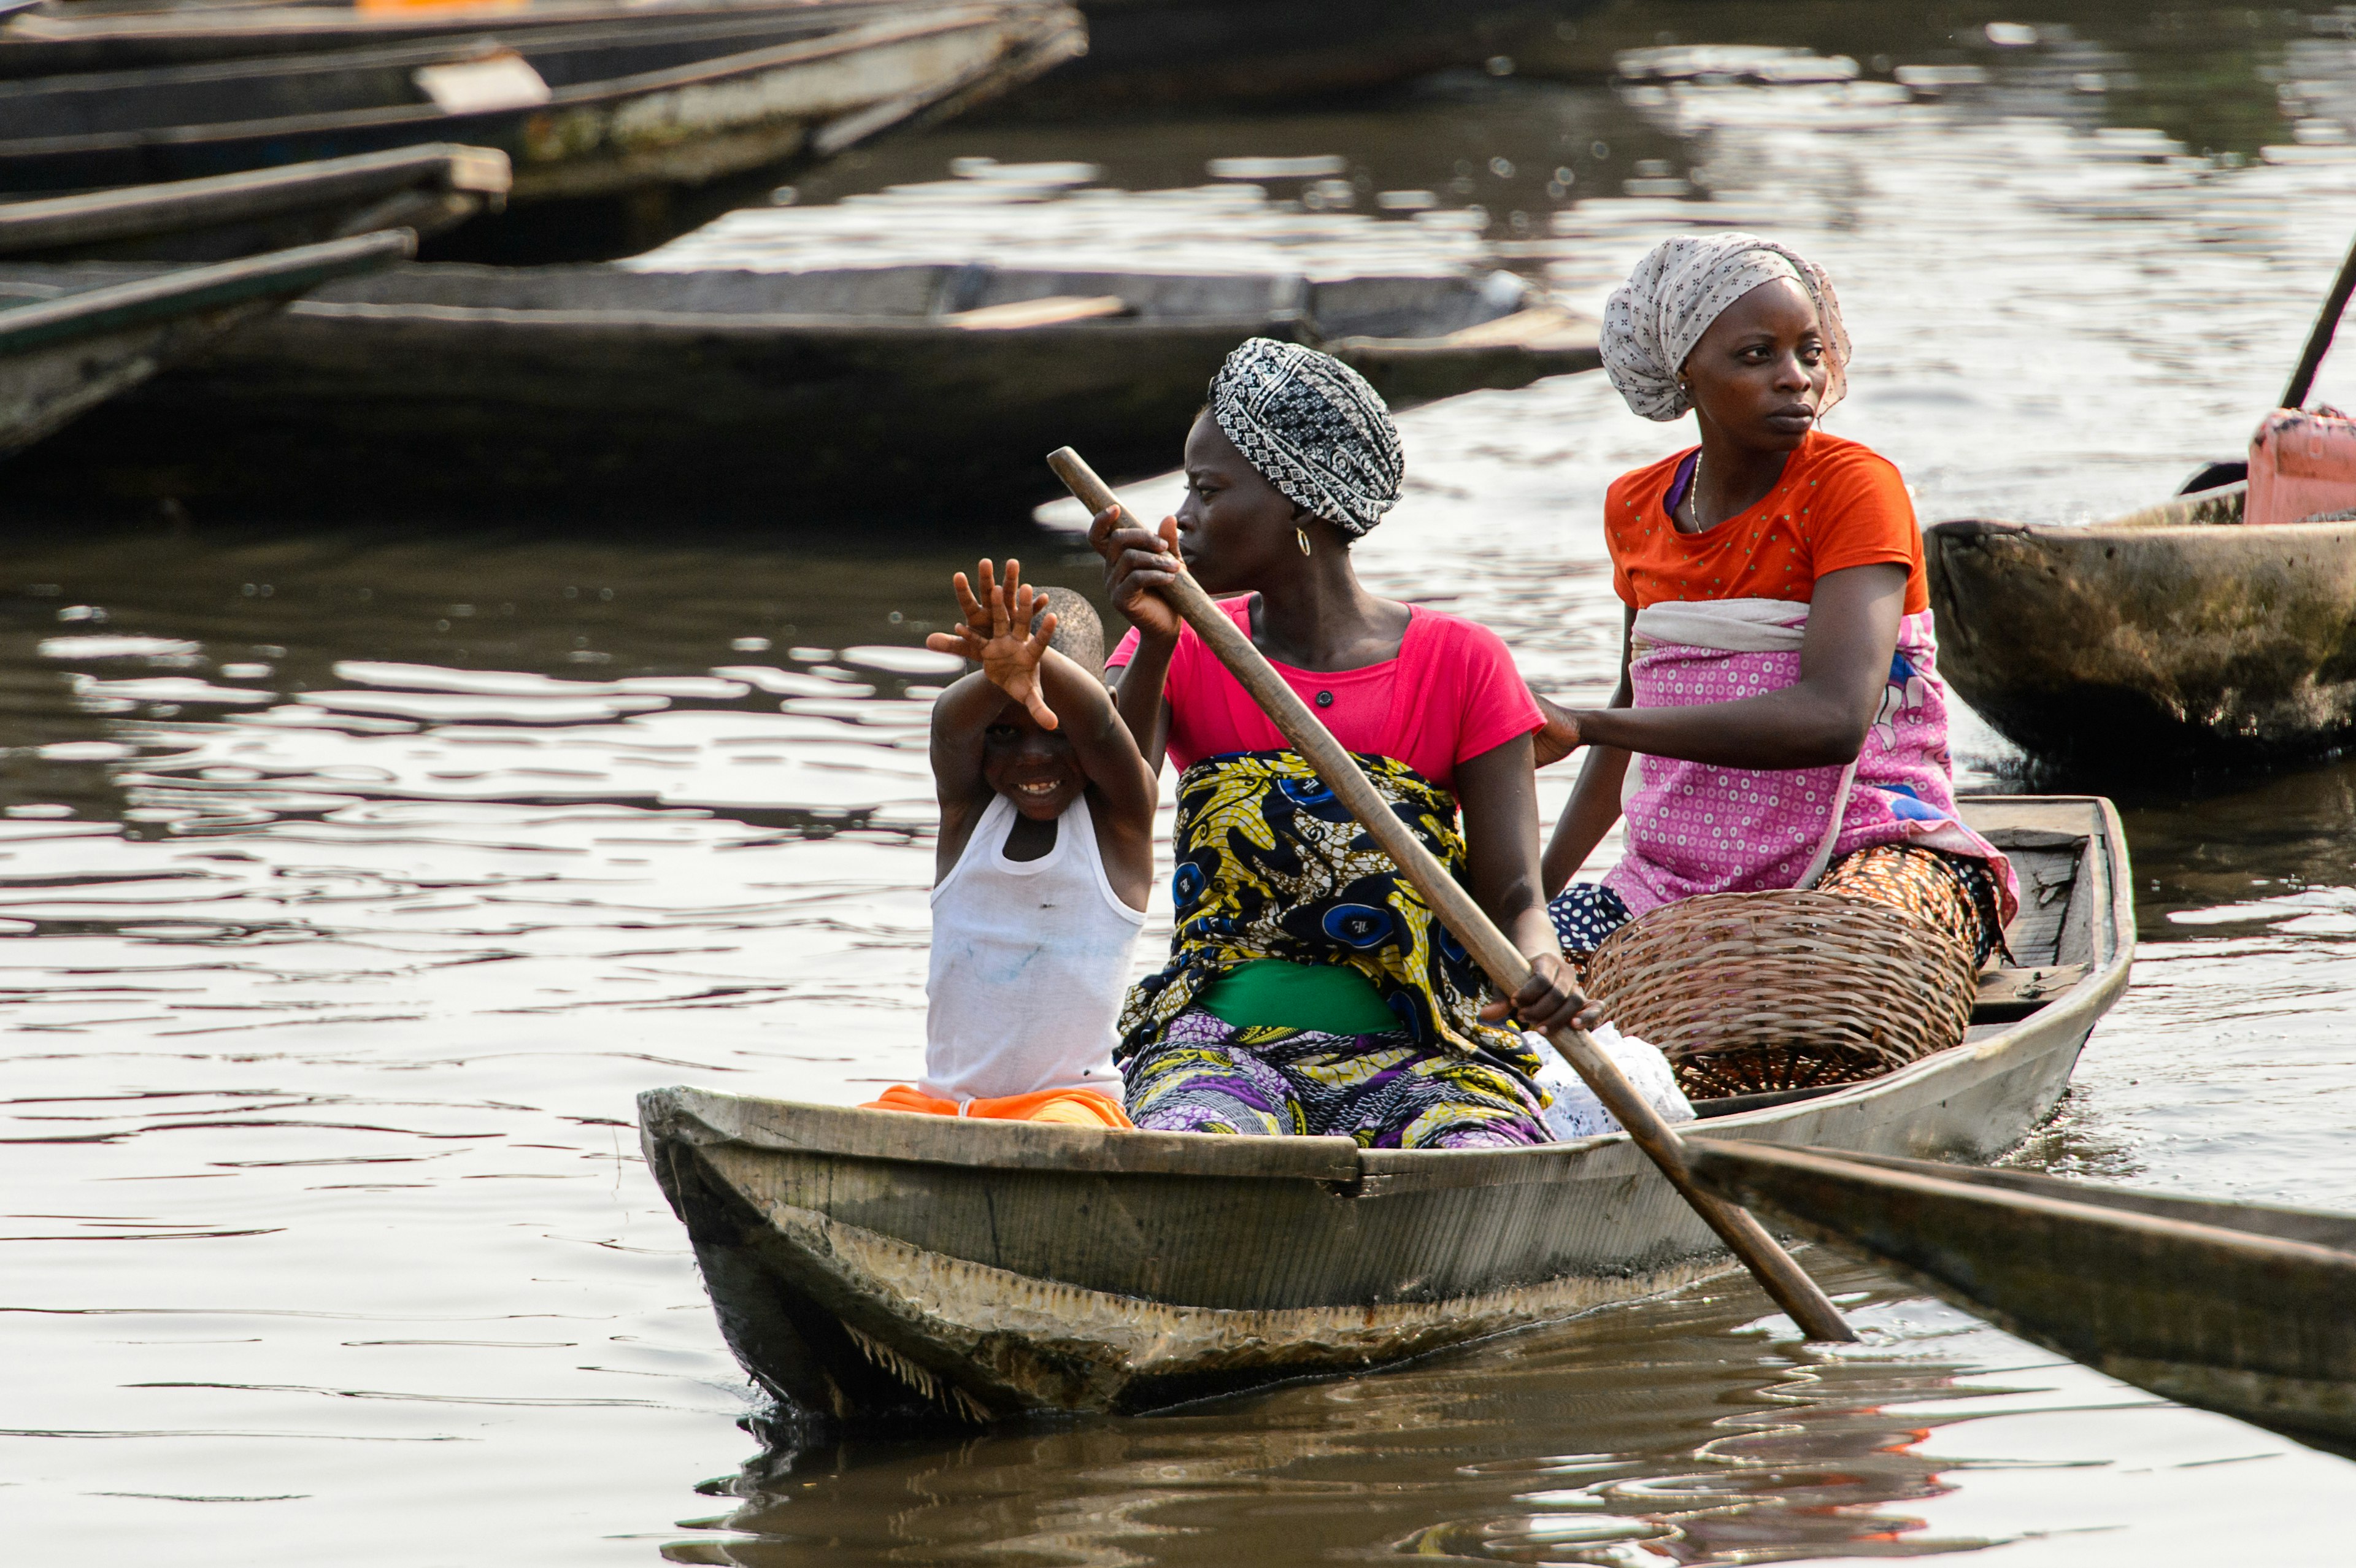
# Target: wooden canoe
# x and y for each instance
(65, 350)
(876, 1265)
(2177, 631)
(424, 190)
(785, 395)
(1165, 52)
(2241, 1307)
(621, 133)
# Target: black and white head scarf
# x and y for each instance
(1313, 429)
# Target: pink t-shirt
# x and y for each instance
(1452, 694)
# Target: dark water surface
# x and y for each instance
(351, 883)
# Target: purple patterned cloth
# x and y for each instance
(1695, 827)
(1204, 1075)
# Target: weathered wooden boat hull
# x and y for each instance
(801, 398)
(1162, 52)
(68, 351)
(2233, 1306)
(422, 190)
(651, 125)
(873, 1265)
(2175, 632)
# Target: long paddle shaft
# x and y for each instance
(2318, 341)
(1783, 1280)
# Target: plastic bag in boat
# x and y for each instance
(1578, 1113)
(2302, 466)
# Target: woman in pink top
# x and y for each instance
(1308, 988)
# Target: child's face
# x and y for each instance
(1034, 768)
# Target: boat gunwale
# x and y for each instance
(1804, 1161)
(999, 1146)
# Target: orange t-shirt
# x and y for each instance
(1837, 505)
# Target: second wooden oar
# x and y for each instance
(1782, 1279)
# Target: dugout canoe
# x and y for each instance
(2242, 1307)
(2176, 631)
(794, 397)
(64, 349)
(422, 190)
(621, 133)
(1176, 53)
(870, 1265)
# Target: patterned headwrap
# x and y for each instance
(1313, 429)
(1653, 321)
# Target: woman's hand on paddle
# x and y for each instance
(1138, 563)
(1551, 999)
(997, 635)
(1560, 737)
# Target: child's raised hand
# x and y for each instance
(996, 634)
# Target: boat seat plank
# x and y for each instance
(1053, 311)
(2008, 994)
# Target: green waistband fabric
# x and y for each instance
(1275, 992)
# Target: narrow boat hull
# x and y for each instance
(870, 1265)
(799, 398)
(424, 189)
(70, 351)
(2161, 634)
(2238, 1308)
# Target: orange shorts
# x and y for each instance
(1072, 1107)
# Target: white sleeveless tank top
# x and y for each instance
(1030, 963)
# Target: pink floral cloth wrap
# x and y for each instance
(1695, 828)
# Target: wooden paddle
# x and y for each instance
(1782, 1278)
(2318, 340)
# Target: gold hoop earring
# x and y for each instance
(1303, 535)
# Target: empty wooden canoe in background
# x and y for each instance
(1169, 52)
(622, 134)
(424, 190)
(875, 1265)
(2175, 631)
(797, 397)
(2242, 1308)
(66, 351)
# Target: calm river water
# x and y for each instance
(352, 882)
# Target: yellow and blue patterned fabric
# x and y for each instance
(1271, 865)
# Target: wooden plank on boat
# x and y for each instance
(63, 354)
(424, 190)
(2237, 1307)
(982, 1270)
(1055, 310)
(2008, 994)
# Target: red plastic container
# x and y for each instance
(2301, 465)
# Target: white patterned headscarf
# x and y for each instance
(1313, 429)
(1684, 284)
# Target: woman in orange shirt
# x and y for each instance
(1779, 722)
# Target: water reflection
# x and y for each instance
(351, 881)
(1675, 1434)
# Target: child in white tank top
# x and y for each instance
(1046, 858)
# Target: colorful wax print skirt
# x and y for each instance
(1203, 1075)
(1271, 865)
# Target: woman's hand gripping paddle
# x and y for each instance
(1782, 1279)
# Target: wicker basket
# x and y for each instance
(1749, 993)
